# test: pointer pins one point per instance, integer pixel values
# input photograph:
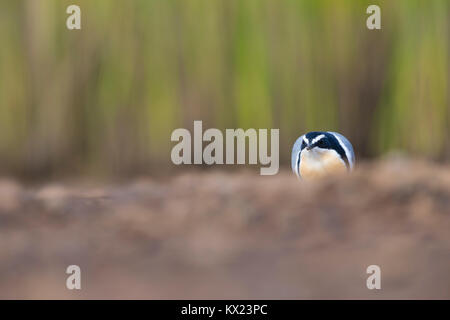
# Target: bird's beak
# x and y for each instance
(309, 147)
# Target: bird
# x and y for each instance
(320, 153)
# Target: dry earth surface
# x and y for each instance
(213, 234)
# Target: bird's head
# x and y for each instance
(317, 141)
(321, 152)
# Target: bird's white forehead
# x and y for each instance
(314, 140)
(320, 136)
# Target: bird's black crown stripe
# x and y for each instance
(333, 143)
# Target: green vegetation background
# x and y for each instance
(106, 99)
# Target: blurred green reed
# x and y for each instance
(106, 99)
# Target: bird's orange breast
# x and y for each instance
(319, 164)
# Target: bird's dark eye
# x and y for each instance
(303, 144)
(322, 143)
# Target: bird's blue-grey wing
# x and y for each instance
(347, 146)
(295, 156)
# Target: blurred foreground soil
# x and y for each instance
(213, 234)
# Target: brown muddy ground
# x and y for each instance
(212, 234)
